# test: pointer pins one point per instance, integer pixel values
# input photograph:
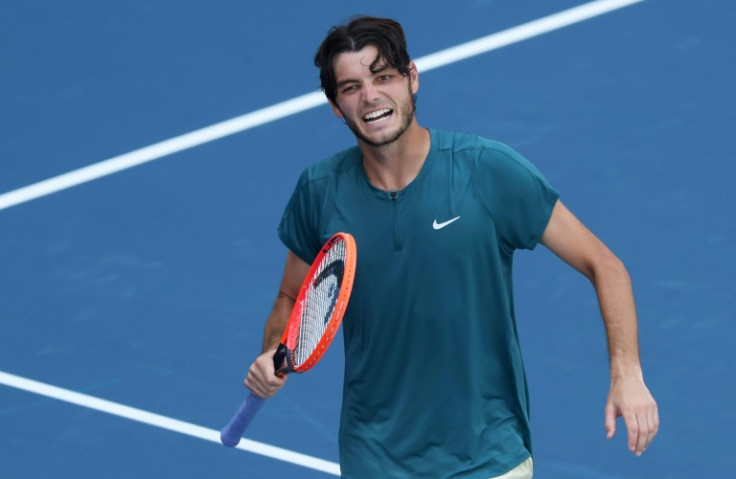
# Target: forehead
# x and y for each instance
(355, 64)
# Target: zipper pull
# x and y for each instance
(393, 194)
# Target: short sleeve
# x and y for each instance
(297, 228)
(518, 197)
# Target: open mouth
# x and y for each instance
(378, 116)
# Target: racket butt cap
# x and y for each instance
(228, 441)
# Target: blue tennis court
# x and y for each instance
(147, 150)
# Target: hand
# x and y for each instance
(261, 379)
(630, 398)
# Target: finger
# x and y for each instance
(276, 382)
(651, 417)
(643, 437)
(263, 366)
(610, 420)
(264, 386)
(653, 421)
(632, 426)
(260, 381)
(656, 419)
(256, 388)
(263, 389)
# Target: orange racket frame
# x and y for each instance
(233, 431)
(291, 332)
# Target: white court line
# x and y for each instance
(237, 125)
(164, 422)
(301, 103)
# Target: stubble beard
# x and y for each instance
(408, 109)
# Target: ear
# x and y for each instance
(414, 77)
(335, 109)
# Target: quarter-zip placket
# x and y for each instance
(393, 196)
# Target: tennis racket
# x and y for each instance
(315, 319)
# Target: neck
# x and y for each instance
(392, 167)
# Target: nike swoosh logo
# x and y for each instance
(439, 226)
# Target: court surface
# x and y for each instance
(133, 293)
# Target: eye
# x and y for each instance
(350, 89)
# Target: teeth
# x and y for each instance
(376, 114)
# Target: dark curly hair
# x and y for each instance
(385, 34)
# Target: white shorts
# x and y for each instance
(525, 470)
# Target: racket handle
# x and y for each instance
(231, 434)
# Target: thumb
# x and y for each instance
(610, 420)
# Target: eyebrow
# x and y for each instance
(346, 81)
(373, 73)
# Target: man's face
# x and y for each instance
(378, 107)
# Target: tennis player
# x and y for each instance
(434, 384)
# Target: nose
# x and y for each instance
(370, 93)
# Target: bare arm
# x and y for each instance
(261, 378)
(629, 397)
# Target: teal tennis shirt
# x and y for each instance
(434, 381)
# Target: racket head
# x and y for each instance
(320, 306)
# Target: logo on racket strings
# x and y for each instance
(335, 270)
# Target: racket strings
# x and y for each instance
(319, 302)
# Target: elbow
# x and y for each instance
(607, 266)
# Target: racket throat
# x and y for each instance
(281, 355)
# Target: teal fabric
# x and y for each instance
(434, 380)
